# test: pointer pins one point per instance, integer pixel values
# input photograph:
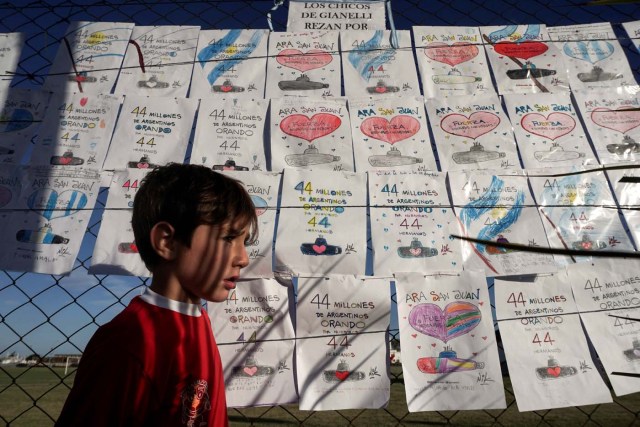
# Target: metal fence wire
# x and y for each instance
(34, 395)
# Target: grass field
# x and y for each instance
(20, 387)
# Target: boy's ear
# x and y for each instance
(162, 238)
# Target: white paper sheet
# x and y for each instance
(10, 49)
(449, 350)
(628, 196)
(322, 227)
(452, 61)
(341, 354)
(230, 62)
(633, 30)
(230, 134)
(411, 223)
(256, 340)
(166, 52)
(547, 353)
(151, 131)
(391, 133)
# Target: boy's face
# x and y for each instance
(210, 267)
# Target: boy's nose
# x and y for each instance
(242, 259)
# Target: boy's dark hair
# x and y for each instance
(186, 196)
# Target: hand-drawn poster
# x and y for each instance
(336, 15)
(53, 209)
(10, 49)
(89, 57)
(306, 64)
(577, 213)
(11, 181)
(452, 61)
(613, 122)
(549, 362)
(633, 30)
(230, 62)
(256, 341)
(310, 134)
(499, 209)
(21, 113)
(411, 223)
(115, 250)
(76, 130)
(523, 60)
(593, 56)
(449, 350)
(321, 226)
(159, 61)
(391, 133)
(263, 189)
(626, 186)
(341, 354)
(151, 131)
(373, 66)
(230, 134)
(606, 293)
(548, 130)
(472, 132)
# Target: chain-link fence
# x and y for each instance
(61, 313)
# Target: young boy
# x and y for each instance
(156, 363)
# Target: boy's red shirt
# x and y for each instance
(155, 364)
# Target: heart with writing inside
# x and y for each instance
(457, 318)
(342, 375)
(555, 371)
(523, 50)
(310, 129)
(18, 120)
(303, 62)
(453, 54)
(551, 127)
(474, 126)
(621, 120)
(591, 51)
(51, 204)
(251, 371)
(390, 131)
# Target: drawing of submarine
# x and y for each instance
(633, 354)
(476, 154)
(342, 374)
(416, 250)
(153, 83)
(454, 77)
(301, 83)
(320, 247)
(143, 163)
(393, 158)
(627, 146)
(4, 151)
(82, 77)
(556, 154)
(553, 370)
(229, 165)
(127, 248)
(586, 244)
(381, 87)
(43, 235)
(226, 87)
(67, 159)
(597, 74)
(251, 369)
(528, 71)
(447, 362)
(310, 156)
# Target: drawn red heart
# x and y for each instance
(303, 62)
(481, 303)
(554, 371)
(419, 347)
(342, 375)
(484, 338)
(551, 127)
(65, 160)
(621, 120)
(226, 88)
(415, 251)
(453, 54)
(133, 247)
(414, 335)
(474, 354)
(398, 129)
(310, 129)
(319, 248)
(83, 101)
(433, 345)
(143, 165)
(523, 50)
(250, 371)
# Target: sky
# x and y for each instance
(45, 309)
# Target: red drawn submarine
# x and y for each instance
(447, 362)
(553, 370)
(67, 159)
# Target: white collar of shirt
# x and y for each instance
(158, 300)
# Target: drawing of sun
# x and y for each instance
(572, 195)
(231, 50)
(498, 212)
(95, 38)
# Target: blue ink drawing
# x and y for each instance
(532, 32)
(213, 50)
(369, 55)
